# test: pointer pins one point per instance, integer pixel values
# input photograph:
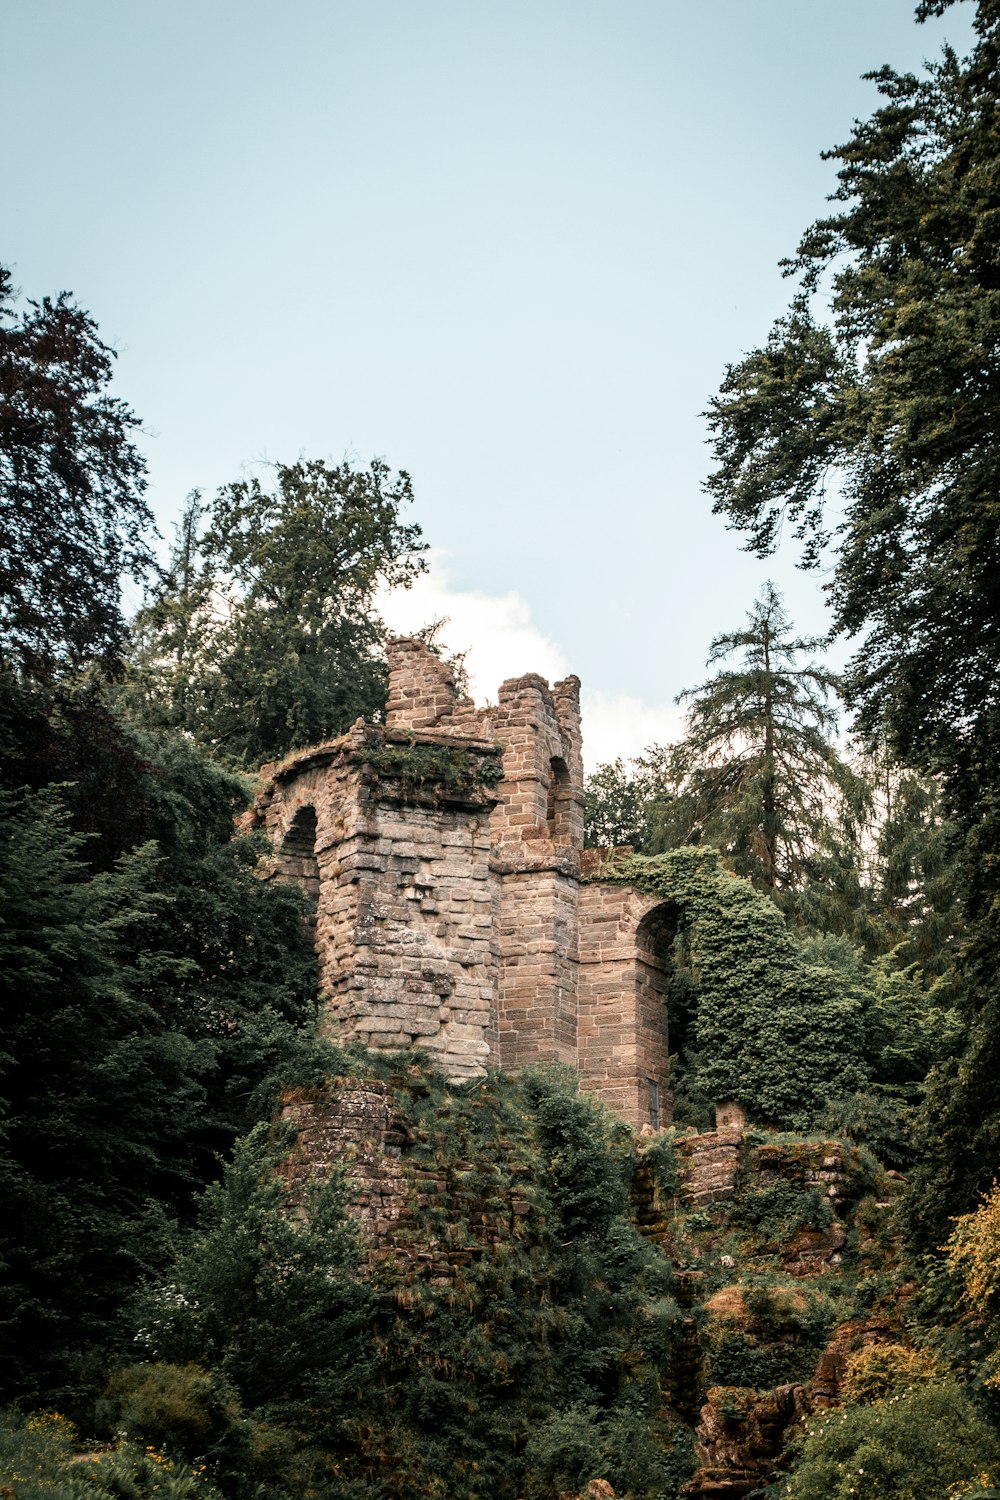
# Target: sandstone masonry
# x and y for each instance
(444, 854)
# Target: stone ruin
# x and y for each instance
(455, 907)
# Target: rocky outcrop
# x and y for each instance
(710, 1170)
(825, 1386)
(740, 1437)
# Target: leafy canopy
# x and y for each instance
(265, 636)
(73, 520)
(894, 396)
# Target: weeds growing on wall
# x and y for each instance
(523, 1324)
(448, 770)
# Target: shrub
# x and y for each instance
(38, 1462)
(908, 1447)
(585, 1443)
(776, 1211)
(661, 1154)
(880, 1370)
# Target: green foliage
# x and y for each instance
(771, 1031)
(776, 1211)
(928, 1441)
(265, 637)
(35, 1455)
(72, 516)
(142, 1006)
(896, 394)
(585, 1443)
(765, 774)
(742, 1360)
(527, 1294)
(767, 1334)
(912, 880)
(265, 1297)
(645, 809)
(176, 1408)
(38, 1462)
(587, 1155)
(877, 1371)
(447, 769)
(910, 1026)
(661, 1154)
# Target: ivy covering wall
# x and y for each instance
(768, 1029)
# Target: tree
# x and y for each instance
(266, 1293)
(928, 1440)
(141, 1008)
(764, 775)
(756, 775)
(898, 395)
(631, 808)
(266, 637)
(72, 517)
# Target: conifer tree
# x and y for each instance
(897, 392)
(764, 776)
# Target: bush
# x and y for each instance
(738, 1359)
(38, 1462)
(908, 1447)
(880, 1370)
(661, 1154)
(585, 1443)
(775, 1212)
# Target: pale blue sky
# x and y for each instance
(508, 246)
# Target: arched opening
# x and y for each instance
(297, 859)
(557, 813)
(654, 941)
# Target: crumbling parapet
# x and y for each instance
(423, 693)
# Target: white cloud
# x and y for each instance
(495, 629)
(497, 632)
(615, 725)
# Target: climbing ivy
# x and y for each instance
(769, 1030)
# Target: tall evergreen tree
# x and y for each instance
(764, 774)
(899, 393)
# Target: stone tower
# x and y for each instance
(443, 851)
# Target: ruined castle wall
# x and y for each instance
(422, 693)
(321, 793)
(451, 917)
(406, 916)
(537, 828)
(621, 998)
(426, 973)
(537, 991)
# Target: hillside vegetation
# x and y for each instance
(499, 1290)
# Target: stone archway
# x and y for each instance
(295, 860)
(626, 940)
(654, 940)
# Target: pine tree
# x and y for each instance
(764, 777)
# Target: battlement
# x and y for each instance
(443, 851)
